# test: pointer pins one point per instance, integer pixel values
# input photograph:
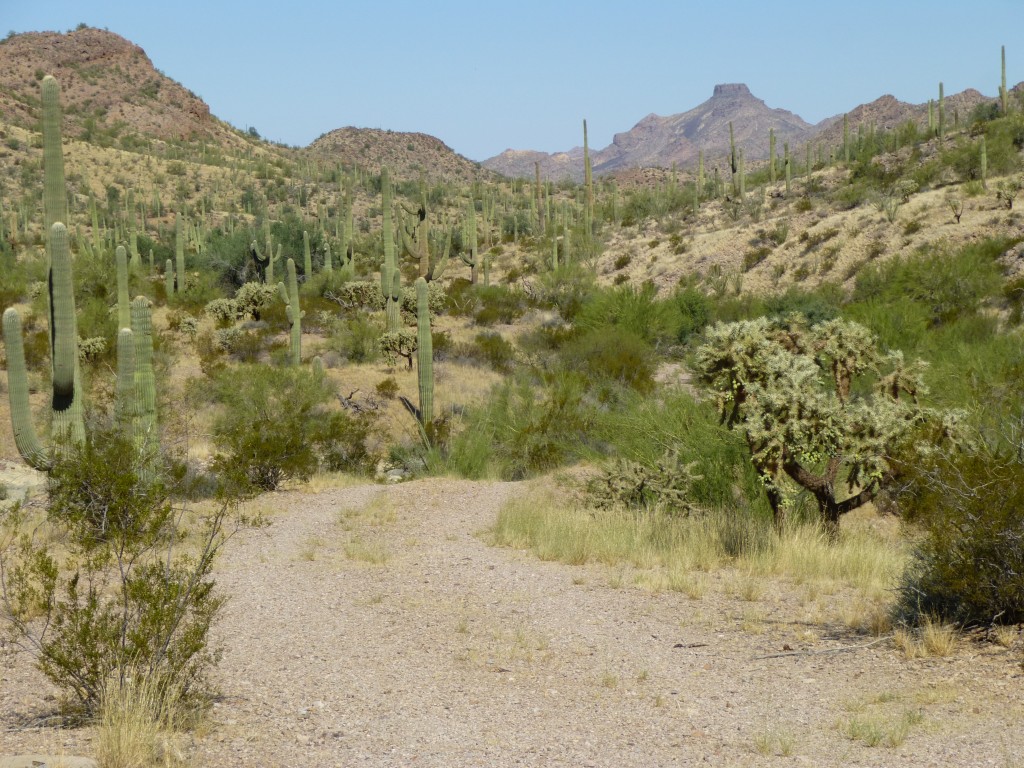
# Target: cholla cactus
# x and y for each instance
(787, 387)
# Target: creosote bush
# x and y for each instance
(121, 587)
(276, 425)
(968, 568)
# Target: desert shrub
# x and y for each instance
(612, 354)
(639, 312)
(461, 298)
(495, 351)
(275, 426)
(524, 428)
(693, 312)
(968, 567)
(664, 485)
(128, 591)
(565, 289)
(754, 257)
(949, 284)
(252, 298)
(223, 311)
(498, 304)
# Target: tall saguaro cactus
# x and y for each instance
(124, 314)
(145, 381)
(65, 404)
(390, 275)
(290, 296)
(55, 202)
(424, 353)
(179, 252)
(1003, 95)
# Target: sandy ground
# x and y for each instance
(455, 653)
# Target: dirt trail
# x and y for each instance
(454, 653)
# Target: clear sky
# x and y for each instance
(486, 76)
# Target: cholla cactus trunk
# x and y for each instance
(539, 197)
(145, 380)
(124, 311)
(846, 136)
(179, 251)
(307, 256)
(424, 353)
(55, 204)
(290, 295)
(787, 162)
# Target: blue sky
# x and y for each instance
(487, 76)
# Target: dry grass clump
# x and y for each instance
(138, 726)
(668, 549)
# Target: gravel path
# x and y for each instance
(454, 653)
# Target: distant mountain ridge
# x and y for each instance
(661, 142)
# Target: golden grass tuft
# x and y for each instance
(670, 550)
(137, 726)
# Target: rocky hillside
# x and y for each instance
(109, 88)
(676, 139)
(113, 96)
(407, 154)
(888, 113)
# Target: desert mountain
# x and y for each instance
(109, 87)
(407, 155)
(113, 95)
(887, 113)
(676, 139)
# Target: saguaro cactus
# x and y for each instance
(290, 296)
(124, 312)
(390, 276)
(55, 203)
(65, 405)
(145, 381)
(1003, 95)
(424, 353)
(469, 256)
(179, 251)
(307, 256)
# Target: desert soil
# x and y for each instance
(456, 653)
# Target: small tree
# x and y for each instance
(790, 388)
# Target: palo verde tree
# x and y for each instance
(793, 390)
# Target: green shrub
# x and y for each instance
(612, 355)
(949, 284)
(968, 568)
(495, 350)
(130, 591)
(522, 429)
(638, 312)
(498, 304)
(275, 425)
